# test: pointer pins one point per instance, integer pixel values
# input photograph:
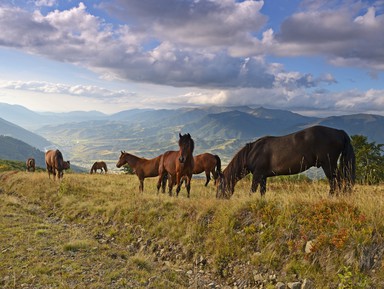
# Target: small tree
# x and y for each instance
(369, 160)
(128, 170)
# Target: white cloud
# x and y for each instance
(339, 33)
(59, 88)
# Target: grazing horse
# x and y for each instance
(99, 166)
(178, 164)
(30, 164)
(143, 168)
(270, 156)
(55, 162)
(207, 163)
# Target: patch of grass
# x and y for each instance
(78, 245)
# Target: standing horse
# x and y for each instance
(269, 156)
(178, 164)
(99, 166)
(55, 162)
(143, 168)
(208, 163)
(30, 163)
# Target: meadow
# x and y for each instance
(98, 231)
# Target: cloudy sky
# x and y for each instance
(314, 57)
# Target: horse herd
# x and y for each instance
(269, 156)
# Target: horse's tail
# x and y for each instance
(59, 160)
(91, 172)
(218, 164)
(105, 167)
(348, 164)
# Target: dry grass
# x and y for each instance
(98, 231)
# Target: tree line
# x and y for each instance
(369, 160)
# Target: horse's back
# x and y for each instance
(54, 158)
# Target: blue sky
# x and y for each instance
(310, 56)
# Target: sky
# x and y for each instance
(314, 57)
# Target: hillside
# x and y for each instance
(96, 231)
(14, 149)
(9, 129)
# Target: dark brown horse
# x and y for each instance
(178, 164)
(143, 168)
(99, 166)
(269, 156)
(31, 164)
(208, 163)
(55, 163)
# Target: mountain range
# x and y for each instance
(86, 137)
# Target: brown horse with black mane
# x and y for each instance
(99, 166)
(31, 164)
(208, 163)
(269, 156)
(55, 162)
(143, 168)
(178, 164)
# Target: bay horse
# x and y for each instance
(99, 166)
(208, 163)
(177, 165)
(55, 163)
(31, 164)
(143, 168)
(270, 156)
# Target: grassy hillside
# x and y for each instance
(97, 231)
(14, 149)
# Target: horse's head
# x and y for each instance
(224, 191)
(66, 165)
(186, 145)
(121, 160)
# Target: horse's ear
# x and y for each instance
(68, 162)
(179, 135)
(189, 135)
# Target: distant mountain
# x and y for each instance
(220, 130)
(17, 150)
(9, 129)
(362, 124)
(31, 120)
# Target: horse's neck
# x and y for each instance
(232, 175)
(132, 160)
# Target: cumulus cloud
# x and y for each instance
(218, 46)
(348, 35)
(78, 37)
(59, 88)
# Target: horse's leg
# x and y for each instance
(188, 184)
(141, 186)
(263, 186)
(179, 183)
(160, 183)
(208, 176)
(171, 182)
(164, 183)
(330, 173)
(255, 184)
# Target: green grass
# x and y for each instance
(98, 231)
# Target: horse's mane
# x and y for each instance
(236, 167)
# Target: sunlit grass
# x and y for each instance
(106, 218)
